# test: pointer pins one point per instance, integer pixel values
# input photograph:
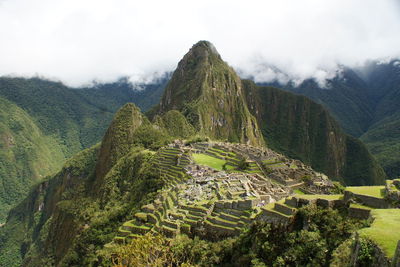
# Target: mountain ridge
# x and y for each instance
(365, 102)
(70, 217)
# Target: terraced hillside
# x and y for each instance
(209, 192)
(170, 163)
(205, 198)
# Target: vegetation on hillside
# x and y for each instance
(310, 241)
(68, 219)
(209, 94)
(366, 104)
(383, 230)
(43, 123)
(26, 155)
(303, 129)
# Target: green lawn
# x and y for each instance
(327, 197)
(358, 206)
(206, 160)
(373, 191)
(384, 230)
(298, 192)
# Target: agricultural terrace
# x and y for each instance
(384, 230)
(373, 191)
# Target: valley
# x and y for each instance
(249, 173)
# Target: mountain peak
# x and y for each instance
(119, 137)
(209, 93)
(205, 46)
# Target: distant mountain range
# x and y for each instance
(67, 218)
(366, 103)
(43, 122)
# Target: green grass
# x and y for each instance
(373, 191)
(327, 197)
(384, 230)
(358, 206)
(206, 160)
(298, 192)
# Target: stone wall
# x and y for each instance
(396, 258)
(374, 202)
(359, 213)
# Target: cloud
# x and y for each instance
(77, 41)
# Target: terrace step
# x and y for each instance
(220, 221)
(197, 213)
(229, 217)
(292, 202)
(169, 232)
(194, 217)
(190, 222)
(200, 209)
(282, 208)
(170, 224)
(123, 233)
(221, 230)
(275, 216)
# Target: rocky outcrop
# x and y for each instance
(210, 94)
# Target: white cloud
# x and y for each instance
(77, 41)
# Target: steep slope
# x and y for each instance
(365, 102)
(45, 122)
(66, 220)
(300, 128)
(209, 93)
(26, 155)
(212, 97)
(383, 140)
(74, 213)
(345, 96)
(59, 111)
(129, 128)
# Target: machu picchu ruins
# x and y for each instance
(224, 199)
(243, 185)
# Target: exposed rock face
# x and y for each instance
(303, 129)
(210, 94)
(220, 105)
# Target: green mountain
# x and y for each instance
(212, 97)
(71, 218)
(365, 103)
(26, 155)
(43, 123)
(302, 129)
(209, 93)
(68, 219)
(88, 198)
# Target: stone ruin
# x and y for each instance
(199, 199)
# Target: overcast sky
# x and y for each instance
(78, 41)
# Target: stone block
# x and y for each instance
(293, 202)
(359, 213)
(228, 205)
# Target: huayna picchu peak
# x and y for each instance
(221, 172)
(210, 95)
